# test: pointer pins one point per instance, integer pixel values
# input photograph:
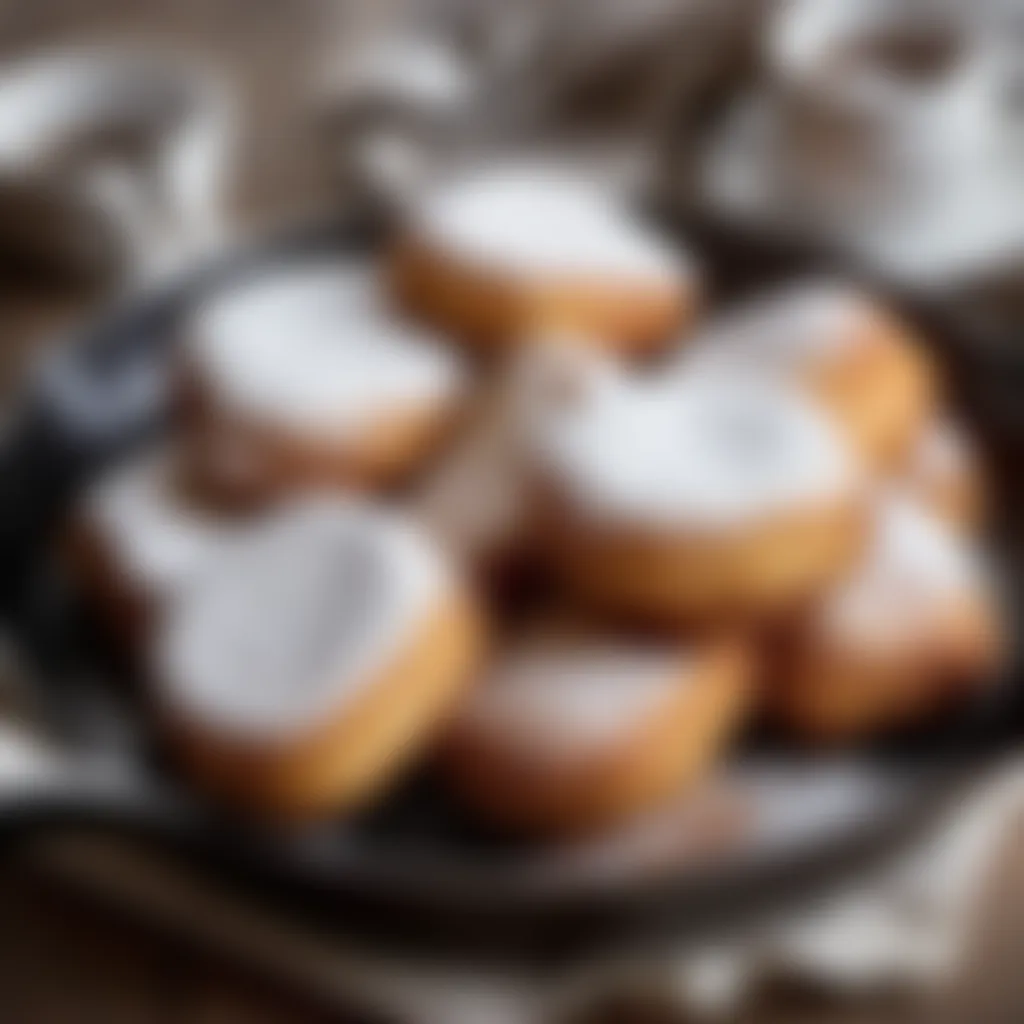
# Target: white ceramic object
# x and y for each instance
(425, 87)
(896, 129)
(138, 140)
(391, 110)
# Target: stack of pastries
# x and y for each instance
(762, 512)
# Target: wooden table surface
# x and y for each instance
(67, 956)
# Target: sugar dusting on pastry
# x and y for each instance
(914, 569)
(943, 454)
(791, 328)
(155, 536)
(708, 449)
(533, 219)
(559, 700)
(313, 347)
(295, 620)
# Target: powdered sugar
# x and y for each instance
(914, 569)
(298, 617)
(532, 220)
(702, 450)
(313, 348)
(790, 329)
(155, 537)
(942, 455)
(561, 699)
(478, 500)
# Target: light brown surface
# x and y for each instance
(693, 575)
(667, 749)
(958, 495)
(494, 312)
(827, 691)
(884, 396)
(960, 501)
(241, 462)
(359, 749)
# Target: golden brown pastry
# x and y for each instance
(914, 626)
(313, 660)
(944, 474)
(852, 354)
(301, 378)
(572, 733)
(698, 497)
(510, 250)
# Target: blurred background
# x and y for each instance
(138, 140)
(265, 52)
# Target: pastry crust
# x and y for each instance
(884, 395)
(314, 660)
(680, 577)
(507, 251)
(346, 760)
(855, 357)
(302, 378)
(697, 499)
(493, 312)
(912, 628)
(584, 784)
(944, 475)
(829, 693)
(239, 462)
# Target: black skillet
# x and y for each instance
(414, 872)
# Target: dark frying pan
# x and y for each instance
(413, 871)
